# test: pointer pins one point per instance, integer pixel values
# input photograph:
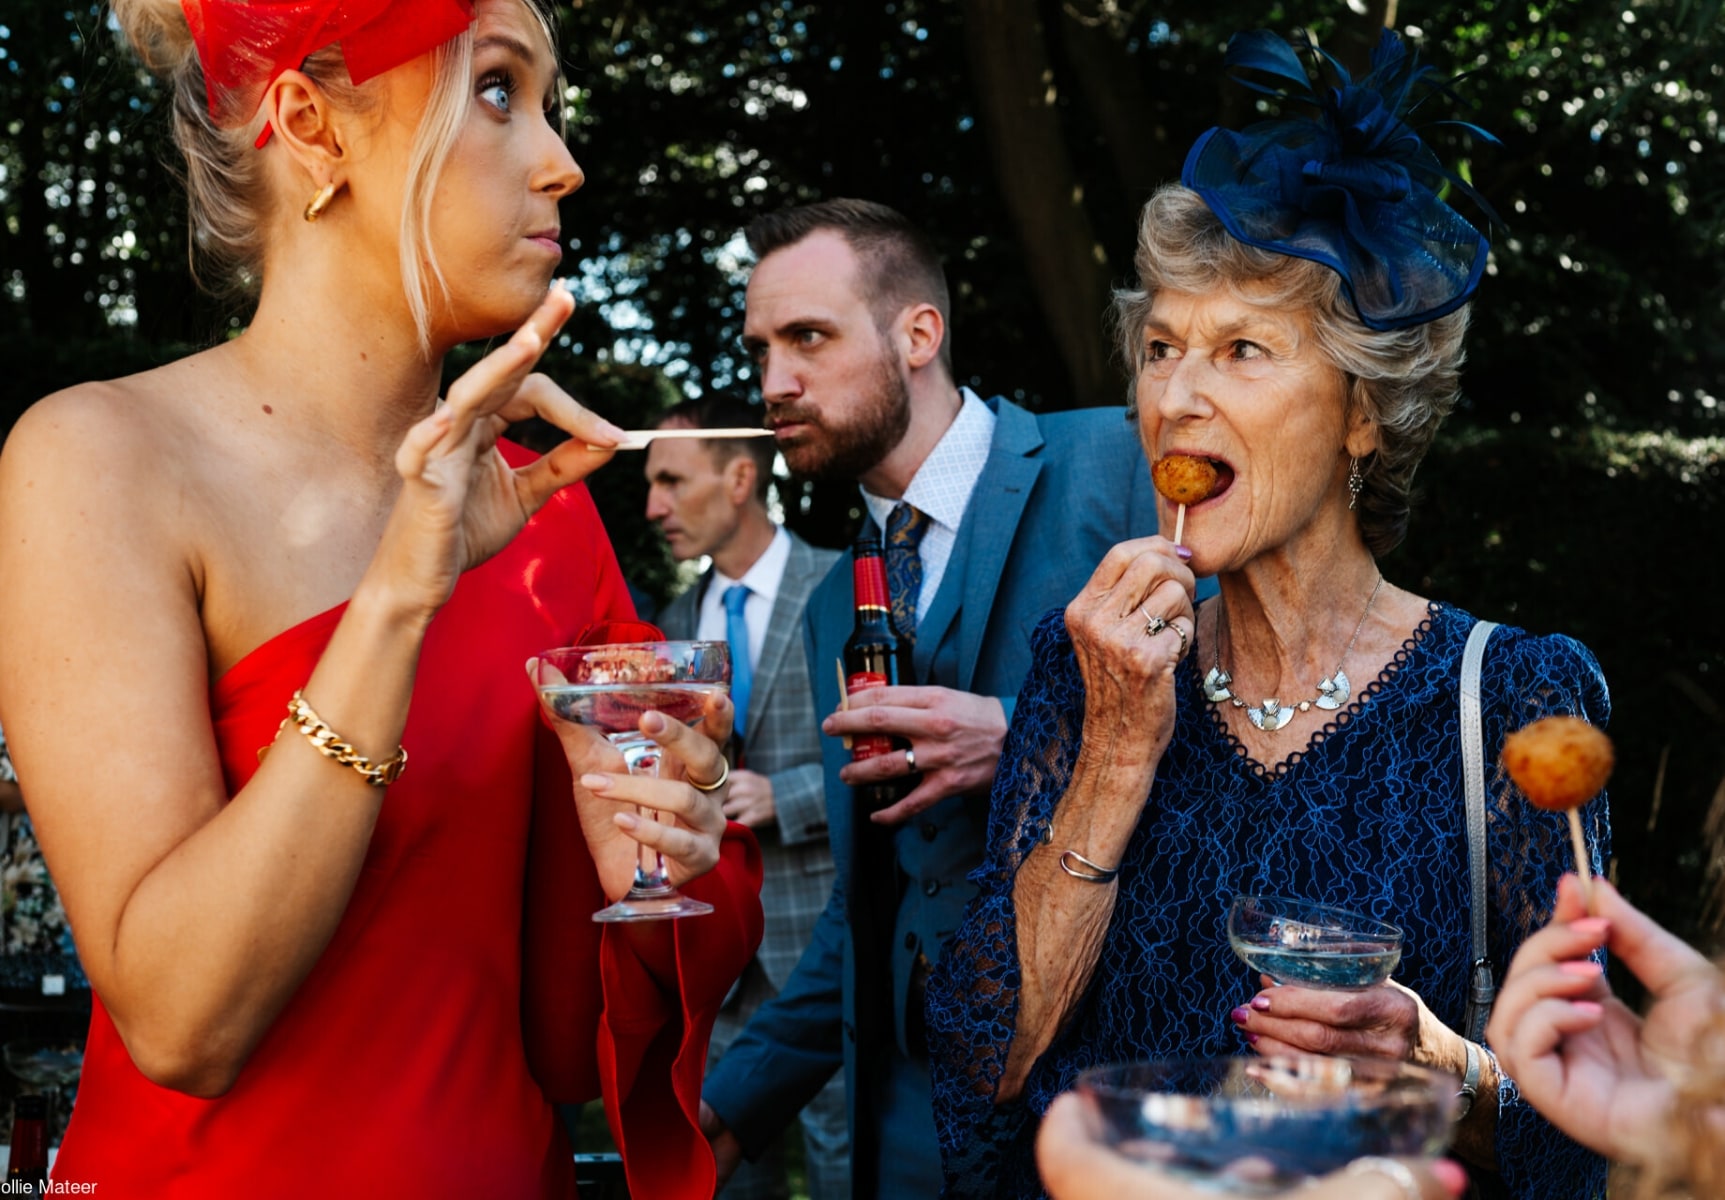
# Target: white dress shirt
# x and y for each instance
(941, 488)
(763, 581)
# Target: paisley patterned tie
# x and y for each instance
(905, 527)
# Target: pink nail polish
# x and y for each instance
(1240, 1015)
(1261, 1003)
(1585, 967)
(1590, 925)
(1588, 1007)
(1251, 1039)
(1451, 1175)
(1184, 553)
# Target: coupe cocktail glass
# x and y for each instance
(1249, 1126)
(610, 688)
(1312, 945)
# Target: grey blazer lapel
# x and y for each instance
(784, 627)
(682, 616)
(979, 555)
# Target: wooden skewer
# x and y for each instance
(1581, 871)
(844, 695)
(640, 439)
(1180, 525)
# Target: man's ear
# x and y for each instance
(924, 330)
(309, 128)
(740, 479)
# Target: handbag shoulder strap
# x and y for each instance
(1481, 987)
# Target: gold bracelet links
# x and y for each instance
(330, 745)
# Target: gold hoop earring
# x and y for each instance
(319, 202)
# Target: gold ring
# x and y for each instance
(724, 777)
(1181, 634)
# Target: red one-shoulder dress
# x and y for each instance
(466, 987)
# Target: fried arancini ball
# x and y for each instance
(1184, 479)
(1558, 762)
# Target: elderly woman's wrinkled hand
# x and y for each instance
(1599, 1072)
(1387, 1021)
(1130, 627)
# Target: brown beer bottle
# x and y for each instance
(29, 1160)
(874, 657)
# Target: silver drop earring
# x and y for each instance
(1356, 481)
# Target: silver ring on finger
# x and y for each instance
(1389, 1168)
(1152, 625)
(909, 759)
(724, 777)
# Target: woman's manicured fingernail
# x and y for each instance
(1589, 1007)
(628, 821)
(596, 783)
(653, 723)
(1583, 966)
(1240, 1015)
(1184, 553)
(1251, 1038)
(1451, 1176)
(1261, 1003)
(1590, 925)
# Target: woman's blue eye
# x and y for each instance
(496, 90)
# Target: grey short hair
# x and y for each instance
(1405, 380)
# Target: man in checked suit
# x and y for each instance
(710, 498)
(992, 515)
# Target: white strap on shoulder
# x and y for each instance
(1481, 987)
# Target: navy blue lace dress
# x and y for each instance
(1370, 816)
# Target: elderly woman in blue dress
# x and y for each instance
(1299, 324)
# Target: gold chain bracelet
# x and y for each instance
(330, 745)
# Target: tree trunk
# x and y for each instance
(1015, 95)
(1115, 95)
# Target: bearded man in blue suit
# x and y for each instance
(993, 515)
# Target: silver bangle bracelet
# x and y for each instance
(1086, 870)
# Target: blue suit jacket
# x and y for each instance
(1058, 490)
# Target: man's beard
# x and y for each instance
(875, 424)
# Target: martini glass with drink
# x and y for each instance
(610, 688)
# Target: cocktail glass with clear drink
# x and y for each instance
(1312, 945)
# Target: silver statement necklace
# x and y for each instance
(1271, 715)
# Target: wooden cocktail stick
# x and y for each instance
(1180, 525)
(844, 695)
(640, 439)
(1581, 871)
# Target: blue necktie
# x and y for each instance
(905, 527)
(737, 634)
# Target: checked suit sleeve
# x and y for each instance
(799, 795)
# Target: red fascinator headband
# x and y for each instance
(244, 44)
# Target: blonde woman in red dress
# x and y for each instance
(313, 971)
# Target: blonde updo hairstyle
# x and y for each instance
(227, 191)
(1405, 380)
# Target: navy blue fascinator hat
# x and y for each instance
(1352, 187)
